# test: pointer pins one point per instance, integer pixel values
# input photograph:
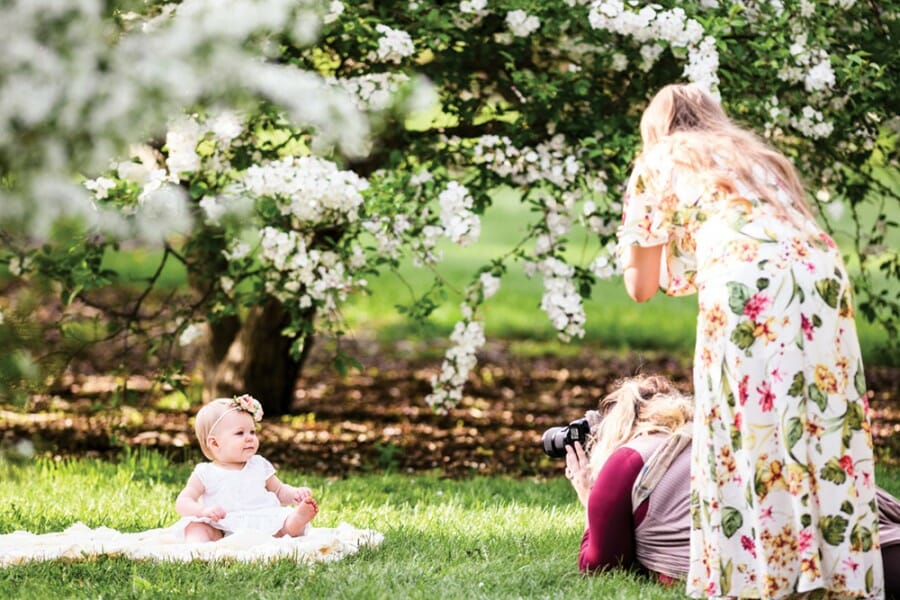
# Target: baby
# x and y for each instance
(238, 490)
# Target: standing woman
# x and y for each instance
(782, 471)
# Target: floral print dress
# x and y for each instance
(783, 490)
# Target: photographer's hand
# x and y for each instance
(578, 471)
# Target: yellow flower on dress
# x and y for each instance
(825, 379)
(714, 321)
(765, 330)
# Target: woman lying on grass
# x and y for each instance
(634, 481)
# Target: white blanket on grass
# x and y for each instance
(80, 541)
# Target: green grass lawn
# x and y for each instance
(486, 537)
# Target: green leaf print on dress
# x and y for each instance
(833, 528)
(738, 295)
(731, 520)
(829, 289)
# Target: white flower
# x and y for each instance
(393, 46)
(191, 333)
(225, 126)
(227, 284)
(820, 76)
(460, 224)
(521, 24)
(100, 186)
(335, 10)
(213, 209)
(181, 142)
(489, 284)
(236, 250)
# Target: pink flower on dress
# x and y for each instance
(749, 545)
(755, 305)
(807, 326)
(849, 562)
(846, 462)
(804, 540)
(766, 397)
(742, 389)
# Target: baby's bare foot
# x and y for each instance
(296, 523)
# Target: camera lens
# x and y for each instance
(554, 441)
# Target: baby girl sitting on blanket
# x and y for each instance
(238, 490)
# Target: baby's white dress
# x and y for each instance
(243, 495)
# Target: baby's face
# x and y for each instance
(236, 439)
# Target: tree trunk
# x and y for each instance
(254, 359)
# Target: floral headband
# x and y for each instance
(244, 402)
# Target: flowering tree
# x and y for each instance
(285, 204)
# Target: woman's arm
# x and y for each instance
(642, 272)
(609, 538)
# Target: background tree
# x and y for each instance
(289, 215)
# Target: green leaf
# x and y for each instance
(833, 472)
(833, 528)
(794, 431)
(817, 396)
(732, 520)
(860, 539)
(797, 384)
(829, 289)
(742, 336)
(738, 294)
(859, 381)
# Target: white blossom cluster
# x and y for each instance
(74, 116)
(812, 67)
(372, 91)
(521, 24)
(335, 10)
(460, 224)
(317, 276)
(650, 24)
(460, 359)
(309, 189)
(553, 161)
(393, 46)
(606, 264)
(191, 333)
(561, 300)
(812, 123)
(595, 223)
(467, 338)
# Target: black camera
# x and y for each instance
(556, 439)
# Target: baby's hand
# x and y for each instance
(215, 513)
(301, 494)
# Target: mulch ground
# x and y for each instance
(377, 419)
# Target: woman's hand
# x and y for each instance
(578, 471)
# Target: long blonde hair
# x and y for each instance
(695, 130)
(640, 405)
